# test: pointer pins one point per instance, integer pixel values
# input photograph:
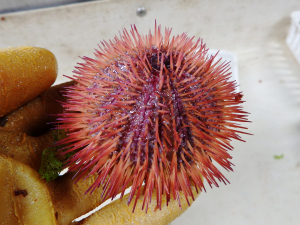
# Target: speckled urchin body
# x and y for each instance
(153, 110)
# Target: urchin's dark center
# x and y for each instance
(151, 122)
(155, 104)
(157, 119)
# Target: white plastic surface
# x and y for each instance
(293, 37)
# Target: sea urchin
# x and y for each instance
(151, 111)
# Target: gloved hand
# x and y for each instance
(27, 198)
